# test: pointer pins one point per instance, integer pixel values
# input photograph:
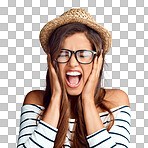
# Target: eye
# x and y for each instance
(63, 53)
(84, 54)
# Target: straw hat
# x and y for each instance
(79, 15)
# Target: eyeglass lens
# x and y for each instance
(83, 56)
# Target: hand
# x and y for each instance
(54, 81)
(52, 114)
(90, 86)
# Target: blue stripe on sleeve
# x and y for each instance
(120, 108)
(100, 142)
(20, 144)
(120, 135)
(104, 115)
(96, 133)
(24, 135)
(123, 121)
(115, 111)
(126, 113)
(35, 142)
(43, 136)
(114, 145)
(29, 112)
(27, 127)
(122, 144)
(48, 127)
(124, 128)
(124, 107)
(36, 106)
(29, 119)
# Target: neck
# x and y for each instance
(73, 102)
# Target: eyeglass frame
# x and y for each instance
(75, 52)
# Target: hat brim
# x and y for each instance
(62, 20)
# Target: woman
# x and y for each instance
(74, 111)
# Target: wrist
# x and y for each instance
(54, 105)
(88, 101)
(55, 95)
(51, 116)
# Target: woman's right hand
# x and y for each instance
(52, 114)
(54, 81)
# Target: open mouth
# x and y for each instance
(73, 78)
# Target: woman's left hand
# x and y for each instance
(90, 86)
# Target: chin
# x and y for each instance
(74, 92)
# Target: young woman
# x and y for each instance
(74, 111)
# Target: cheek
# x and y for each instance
(87, 71)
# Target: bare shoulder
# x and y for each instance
(116, 97)
(34, 97)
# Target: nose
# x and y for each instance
(73, 61)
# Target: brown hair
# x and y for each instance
(55, 42)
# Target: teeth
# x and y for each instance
(73, 73)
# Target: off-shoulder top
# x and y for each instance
(42, 135)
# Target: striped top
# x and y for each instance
(43, 135)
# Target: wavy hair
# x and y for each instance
(55, 42)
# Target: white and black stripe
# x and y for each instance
(43, 135)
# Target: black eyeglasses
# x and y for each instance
(82, 56)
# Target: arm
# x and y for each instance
(32, 134)
(96, 131)
(92, 119)
(119, 134)
(52, 113)
(44, 133)
(88, 103)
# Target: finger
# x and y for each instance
(100, 57)
(50, 66)
(99, 63)
(94, 65)
(52, 73)
(93, 71)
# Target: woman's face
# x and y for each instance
(74, 75)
